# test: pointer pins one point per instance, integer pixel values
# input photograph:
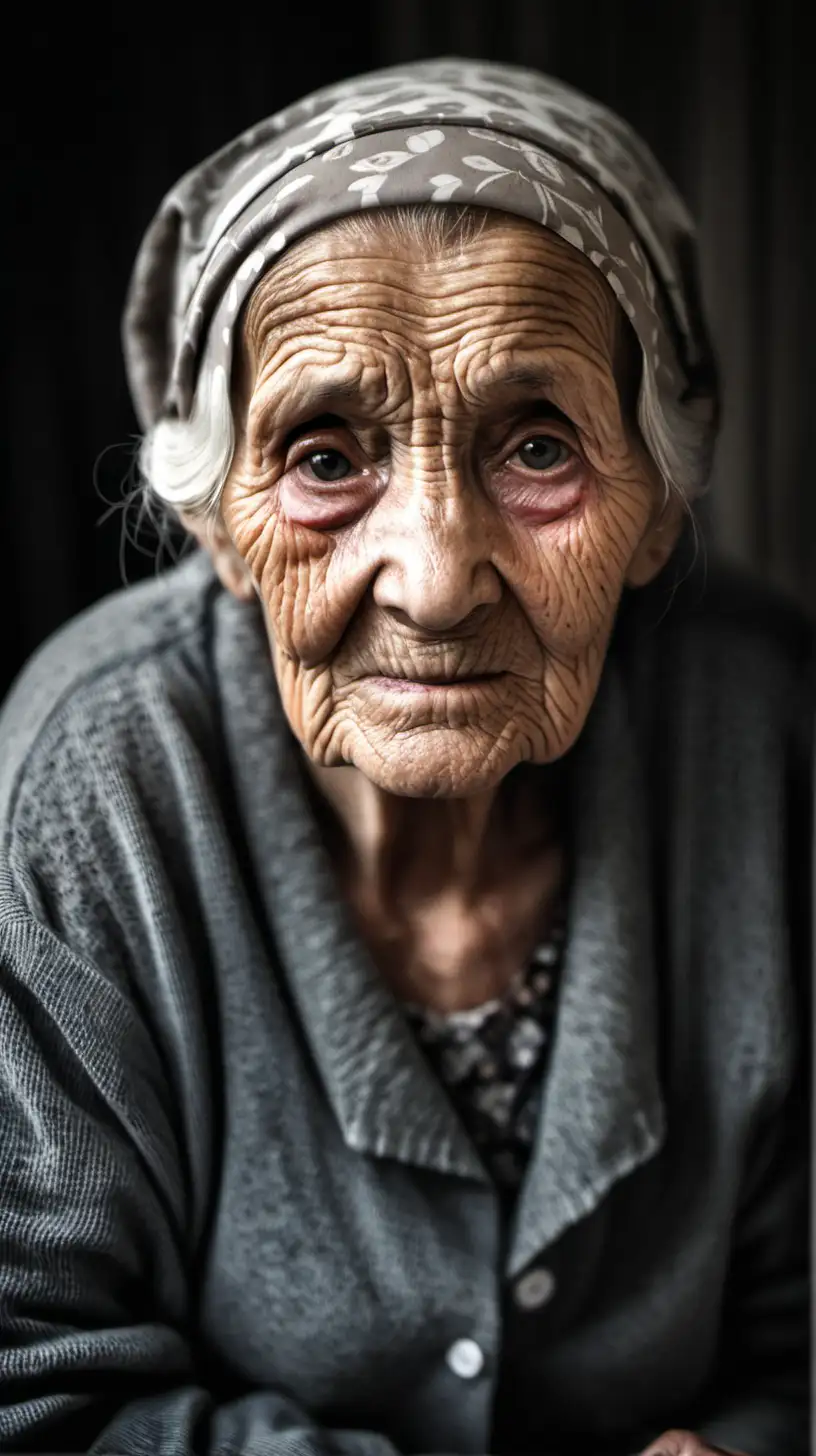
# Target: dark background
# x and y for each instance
(105, 113)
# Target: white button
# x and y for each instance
(535, 1288)
(465, 1359)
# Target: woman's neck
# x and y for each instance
(450, 895)
(396, 845)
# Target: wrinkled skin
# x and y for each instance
(442, 553)
(438, 612)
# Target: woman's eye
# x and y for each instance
(542, 452)
(328, 465)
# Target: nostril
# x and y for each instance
(436, 591)
(399, 616)
(434, 622)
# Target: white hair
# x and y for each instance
(185, 463)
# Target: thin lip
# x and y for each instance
(435, 682)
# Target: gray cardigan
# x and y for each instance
(238, 1214)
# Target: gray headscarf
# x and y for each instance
(451, 130)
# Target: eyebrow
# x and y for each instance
(537, 381)
(322, 400)
(318, 400)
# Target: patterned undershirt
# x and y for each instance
(492, 1060)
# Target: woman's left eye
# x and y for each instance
(327, 465)
(542, 452)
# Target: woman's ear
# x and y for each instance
(657, 544)
(233, 572)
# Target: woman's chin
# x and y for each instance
(436, 763)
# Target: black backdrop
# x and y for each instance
(105, 113)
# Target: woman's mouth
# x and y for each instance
(434, 683)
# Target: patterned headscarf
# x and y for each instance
(452, 131)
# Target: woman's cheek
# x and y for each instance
(315, 573)
(615, 529)
(311, 585)
(288, 562)
(563, 587)
(572, 531)
(289, 566)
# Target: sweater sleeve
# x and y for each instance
(761, 1395)
(763, 1392)
(94, 1261)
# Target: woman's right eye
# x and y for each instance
(328, 465)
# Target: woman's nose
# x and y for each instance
(436, 567)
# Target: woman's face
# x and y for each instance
(439, 499)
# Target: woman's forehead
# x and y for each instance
(514, 284)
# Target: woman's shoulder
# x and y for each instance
(77, 697)
(720, 670)
(726, 599)
(718, 629)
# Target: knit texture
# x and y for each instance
(238, 1211)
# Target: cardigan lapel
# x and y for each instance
(384, 1094)
(602, 1113)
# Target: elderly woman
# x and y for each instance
(404, 900)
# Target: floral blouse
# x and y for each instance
(492, 1059)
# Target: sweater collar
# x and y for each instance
(602, 1113)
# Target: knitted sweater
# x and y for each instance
(238, 1212)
